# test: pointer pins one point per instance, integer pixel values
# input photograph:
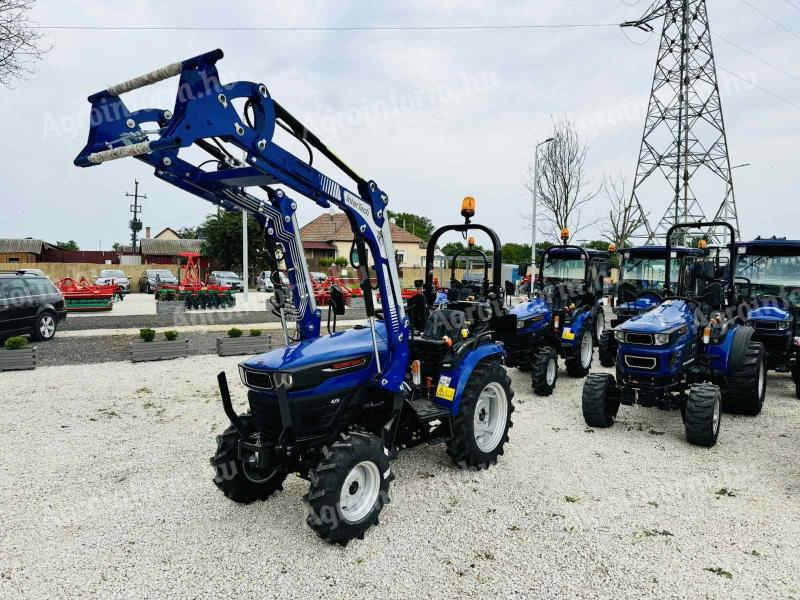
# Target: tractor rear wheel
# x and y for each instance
(607, 349)
(703, 414)
(349, 487)
(544, 373)
(239, 482)
(599, 324)
(480, 429)
(580, 362)
(796, 378)
(747, 384)
(599, 406)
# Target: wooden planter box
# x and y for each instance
(228, 346)
(160, 350)
(170, 307)
(18, 360)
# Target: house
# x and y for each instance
(25, 250)
(330, 236)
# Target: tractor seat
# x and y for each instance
(441, 323)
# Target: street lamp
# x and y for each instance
(535, 190)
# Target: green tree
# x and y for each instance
(422, 227)
(223, 241)
(70, 245)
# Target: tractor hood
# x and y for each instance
(666, 317)
(351, 343)
(531, 308)
(769, 313)
(639, 305)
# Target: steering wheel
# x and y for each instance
(690, 301)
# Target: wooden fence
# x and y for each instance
(56, 271)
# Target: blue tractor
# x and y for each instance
(641, 287)
(563, 317)
(689, 353)
(333, 408)
(768, 286)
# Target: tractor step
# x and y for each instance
(428, 412)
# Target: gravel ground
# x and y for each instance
(106, 492)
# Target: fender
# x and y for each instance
(722, 353)
(575, 327)
(458, 377)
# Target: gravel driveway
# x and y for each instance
(106, 491)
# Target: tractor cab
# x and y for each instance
(768, 288)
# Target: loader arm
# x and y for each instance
(203, 116)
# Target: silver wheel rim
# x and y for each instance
(489, 420)
(715, 415)
(360, 491)
(551, 371)
(762, 383)
(47, 326)
(586, 351)
(601, 324)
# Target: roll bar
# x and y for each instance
(585, 255)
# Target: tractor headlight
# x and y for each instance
(661, 339)
(242, 375)
(748, 323)
(620, 336)
(284, 380)
(524, 323)
(784, 325)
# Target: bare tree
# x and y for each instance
(623, 217)
(21, 46)
(563, 188)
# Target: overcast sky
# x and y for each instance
(432, 116)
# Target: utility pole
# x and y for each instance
(245, 266)
(135, 223)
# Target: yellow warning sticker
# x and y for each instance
(568, 335)
(446, 393)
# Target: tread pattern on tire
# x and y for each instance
(606, 349)
(741, 394)
(230, 477)
(462, 448)
(599, 409)
(699, 414)
(539, 371)
(326, 479)
(573, 363)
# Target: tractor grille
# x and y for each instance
(266, 413)
(644, 339)
(766, 325)
(258, 379)
(646, 363)
(310, 416)
(774, 344)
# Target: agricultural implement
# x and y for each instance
(689, 353)
(192, 291)
(333, 408)
(83, 296)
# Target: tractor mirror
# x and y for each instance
(510, 288)
(354, 258)
(337, 300)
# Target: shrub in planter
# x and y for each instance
(16, 343)
(147, 334)
(255, 332)
(234, 332)
(171, 335)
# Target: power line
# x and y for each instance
(765, 15)
(763, 60)
(794, 6)
(763, 89)
(326, 28)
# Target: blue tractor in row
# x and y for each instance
(768, 288)
(641, 287)
(332, 408)
(562, 318)
(689, 353)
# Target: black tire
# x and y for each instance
(45, 328)
(573, 364)
(703, 403)
(607, 349)
(746, 386)
(796, 377)
(543, 376)
(326, 516)
(598, 403)
(463, 448)
(148, 289)
(239, 483)
(525, 366)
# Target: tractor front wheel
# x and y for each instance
(580, 362)
(239, 482)
(703, 414)
(545, 371)
(607, 348)
(747, 385)
(796, 377)
(480, 429)
(349, 487)
(598, 403)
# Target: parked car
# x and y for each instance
(35, 272)
(318, 277)
(152, 277)
(109, 276)
(227, 278)
(264, 281)
(29, 305)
